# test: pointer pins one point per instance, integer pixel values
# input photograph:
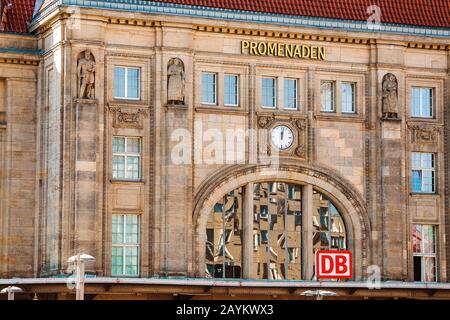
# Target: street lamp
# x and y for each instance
(319, 294)
(11, 290)
(80, 260)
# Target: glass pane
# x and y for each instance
(428, 181)
(231, 90)
(133, 167)
(416, 160)
(416, 181)
(417, 238)
(119, 82)
(133, 83)
(268, 93)
(117, 261)
(327, 95)
(428, 239)
(118, 167)
(426, 102)
(290, 93)
(117, 228)
(347, 97)
(209, 88)
(427, 160)
(118, 145)
(429, 269)
(132, 229)
(415, 100)
(131, 261)
(133, 145)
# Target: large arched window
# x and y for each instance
(276, 225)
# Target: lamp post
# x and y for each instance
(319, 294)
(80, 260)
(11, 290)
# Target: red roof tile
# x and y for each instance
(18, 17)
(432, 13)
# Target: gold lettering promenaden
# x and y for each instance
(277, 49)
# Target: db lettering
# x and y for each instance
(333, 264)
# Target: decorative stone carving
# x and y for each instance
(300, 152)
(128, 118)
(86, 75)
(390, 97)
(176, 77)
(264, 122)
(424, 134)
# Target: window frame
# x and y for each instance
(421, 169)
(275, 92)
(237, 90)
(353, 86)
(126, 83)
(216, 88)
(421, 108)
(296, 93)
(125, 245)
(333, 96)
(126, 154)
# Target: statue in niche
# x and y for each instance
(175, 82)
(390, 96)
(86, 75)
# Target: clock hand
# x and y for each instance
(282, 134)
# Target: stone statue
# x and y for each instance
(175, 82)
(390, 96)
(86, 76)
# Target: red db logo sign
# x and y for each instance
(333, 264)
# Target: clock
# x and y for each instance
(282, 137)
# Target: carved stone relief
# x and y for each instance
(86, 75)
(124, 118)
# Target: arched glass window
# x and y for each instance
(277, 232)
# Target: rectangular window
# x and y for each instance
(127, 83)
(269, 93)
(231, 90)
(125, 245)
(424, 253)
(423, 172)
(126, 158)
(209, 88)
(290, 93)
(422, 102)
(327, 94)
(348, 97)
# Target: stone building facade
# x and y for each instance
(178, 141)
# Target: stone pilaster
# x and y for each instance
(247, 240)
(392, 199)
(86, 114)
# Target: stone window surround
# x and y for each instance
(338, 79)
(438, 98)
(221, 71)
(280, 75)
(144, 72)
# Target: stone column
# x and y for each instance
(247, 230)
(307, 232)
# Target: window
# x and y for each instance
(209, 88)
(348, 97)
(423, 167)
(231, 90)
(126, 83)
(269, 93)
(327, 96)
(125, 245)
(275, 236)
(422, 102)
(290, 93)
(126, 158)
(424, 253)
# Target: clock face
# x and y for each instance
(282, 137)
